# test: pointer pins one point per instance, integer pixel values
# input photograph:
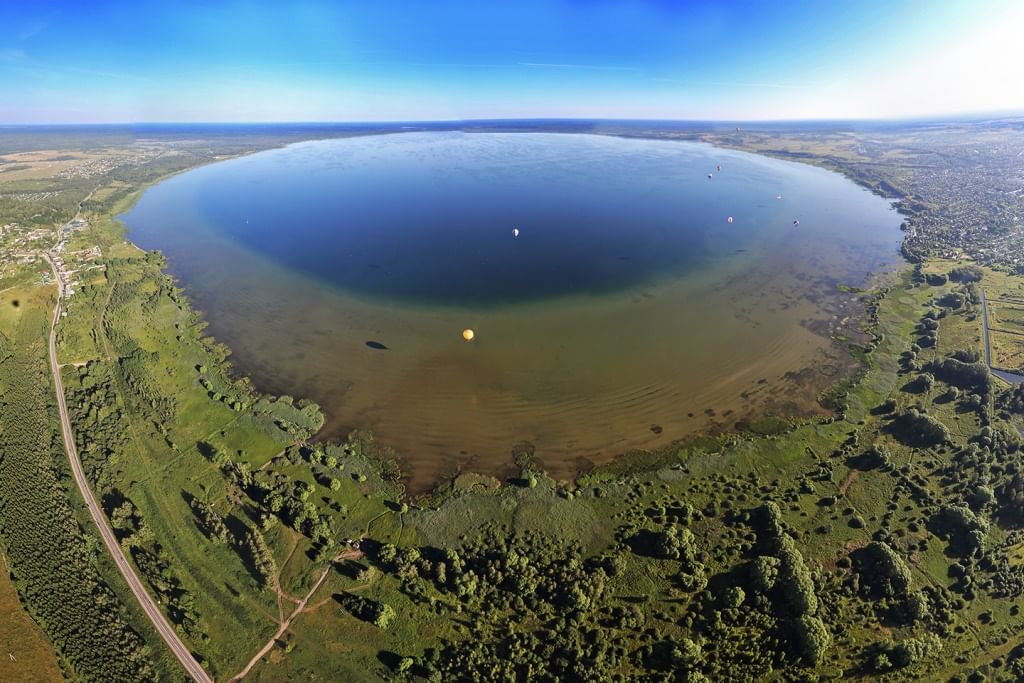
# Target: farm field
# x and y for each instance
(26, 654)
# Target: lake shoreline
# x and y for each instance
(722, 429)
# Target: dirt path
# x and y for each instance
(299, 609)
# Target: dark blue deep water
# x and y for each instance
(429, 217)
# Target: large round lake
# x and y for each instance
(623, 293)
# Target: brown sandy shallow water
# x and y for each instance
(580, 379)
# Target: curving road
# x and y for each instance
(146, 602)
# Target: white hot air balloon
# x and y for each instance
(515, 232)
(729, 219)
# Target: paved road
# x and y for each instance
(146, 602)
(1008, 377)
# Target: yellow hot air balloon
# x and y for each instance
(468, 334)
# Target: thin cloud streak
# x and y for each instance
(732, 84)
(13, 55)
(33, 30)
(20, 60)
(599, 67)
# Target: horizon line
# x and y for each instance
(944, 117)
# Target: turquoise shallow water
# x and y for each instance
(627, 312)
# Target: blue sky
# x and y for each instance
(67, 62)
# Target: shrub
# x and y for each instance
(883, 571)
(966, 273)
(813, 639)
(964, 530)
(764, 573)
(973, 376)
(915, 650)
(733, 597)
(919, 429)
(795, 579)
